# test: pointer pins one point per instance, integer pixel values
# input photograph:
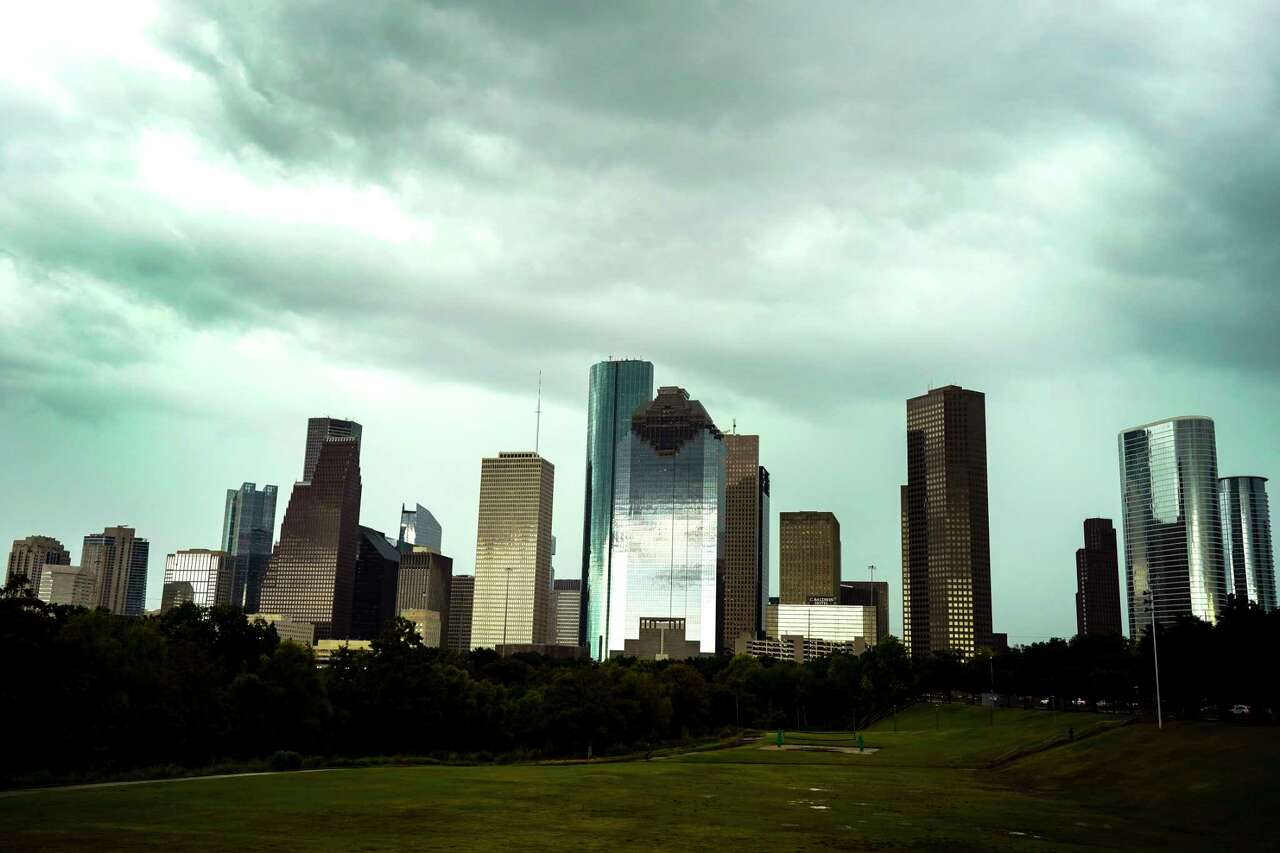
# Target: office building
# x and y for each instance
(946, 546)
(797, 649)
(326, 649)
(63, 584)
(513, 551)
(1246, 540)
(425, 585)
(616, 390)
(311, 574)
(869, 594)
(745, 581)
(419, 527)
(1098, 580)
(175, 594)
(117, 560)
(835, 622)
(566, 606)
(209, 575)
(302, 633)
(1172, 522)
(29, 556)
(808, 556)
(320, 430)
(248, 528)
(373, 602)
(668, 527)
(462, 594)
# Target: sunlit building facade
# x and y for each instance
(668, 524)
(617, 389)
(462, 596)
(248, 528)
(209, 574)
(836, 622)
(808, 556)
(1246, 539)
(117, 560)
(566, 608)
(63, 584)
(425, 582)
(1172, 522)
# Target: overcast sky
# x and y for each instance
(218, 219)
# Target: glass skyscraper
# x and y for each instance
(668, 524)
(248, 527)
(419, 527)
(1246, 539)
(1172, 523)
(617, 389)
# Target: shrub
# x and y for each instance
(285, 759)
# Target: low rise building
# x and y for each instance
(325, 649)
(797, 649)
(302, 633)
(72, 585)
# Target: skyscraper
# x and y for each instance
(566, 607)
(248, 527)
(373, 602)
(869, 594)
(513, 551)
(419, 527)
(320, 430)
(668, 528)
(311, 574)
(1246, 539)
(29, 556)
(62, 584)
(462, 595)
(426, 581)
(617, 389)
(808, 556)
(946, 556)
(209, 574)
(745, 584)
(1172, 522)
(116, 559)
(1098, 580)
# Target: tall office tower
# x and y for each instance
(1172, 523)
(373, 599)
(667, 530)
(1098, 580)
(311, 574)
(117, 560)
(426, 581)
(808, 556)
(1246, 539)
(617, 389)
(29, 556)
(208, 572)
(462, 595)
(320, 430)
(513, 551)
(946, 565)
(566, 610)
(869, 594)
(745, 580)
(419, 527)
(248, 527)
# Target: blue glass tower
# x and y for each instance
(617, 389)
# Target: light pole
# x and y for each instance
(1155, 655)
(506, 600)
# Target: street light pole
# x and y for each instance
(1155, 654)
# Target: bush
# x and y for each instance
(285, 759)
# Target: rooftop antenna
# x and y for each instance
(735, 426)
(537, 432)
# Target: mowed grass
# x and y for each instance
(930, 786)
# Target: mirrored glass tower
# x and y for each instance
(248, 527)
(1246, 539)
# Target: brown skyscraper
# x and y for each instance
(30, 555)
(745, 579)
(311, 575)
(946, 550)
(808, 556)
(116, 559)
(462, 595)
(1098, 580)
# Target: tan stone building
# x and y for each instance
(808, 556)
(745, 574)
(29, 556)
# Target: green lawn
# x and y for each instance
(931, 785)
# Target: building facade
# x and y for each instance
(373, 602)
(668, 524)
(1172, 523)
(808, 556)
(462, 596)
(320, 430)
(745, 581)
(419, 527)
(425, 585)
(1098, 580)
(835, 622)
(566, 607)
(248, 530)
(513, 551)
(616, 390)
(797, 649)
(311, 574)
(208, 573)
(29, 556)
(63, 584)
(117, 560)
(1246, 540)
(869, 594)
(946, 546)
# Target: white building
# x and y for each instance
(208, 572)
(66, 585)
(842, 623)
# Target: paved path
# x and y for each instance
(24, 791)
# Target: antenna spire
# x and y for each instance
(537, 431)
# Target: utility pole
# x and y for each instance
(1155, 654)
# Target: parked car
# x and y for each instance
(1079, 703)
(1241, 710)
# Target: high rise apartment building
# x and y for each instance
(1246, 540)
(208, 574)
(462, 594)
(808, 557)
(116, 559)
(745, 580)
(29, 556)
(1098, 580)
(248, 528)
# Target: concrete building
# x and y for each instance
(418, 527)
(62, 584)
(462, 592)
(661, 638)
(117, 560)
(797, 649)
(29, 556)
(175, 594)
(327, 648)
(248, 529)
(302, 633)
(1246, 540)
(566, 607)
(1098, 580)
(808, 556)
(426, 623)
(836, 622)
(425, 584)
(513, 551)
(745, 578)
(209, 574)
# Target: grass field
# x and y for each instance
(957, 779)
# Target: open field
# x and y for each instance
(931, 785)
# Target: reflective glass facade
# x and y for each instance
(1172, 525)
(207, 573)
(668, 523)
(617, 389)
(419, 527)
(1246, 539)
(248, 529)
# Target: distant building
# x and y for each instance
(946, 544)
(419, 527)
(1172, 522)
(462, 591)
(1098, 580)
(1246, 540)
(869, 594)
(325, 649)
(29, 556)
(248, 528)
(513, 551)
(117, 560)
(426, 579)
(661, 638)
(207, 573)
(808, 556)
(373, 603)
(61, 584)
(836, 622)
(302, 633)
(797, 649)
(426, 623)
(566, 602)
(745, 584)
(175, 594)
(999, 643)
(320, 430)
